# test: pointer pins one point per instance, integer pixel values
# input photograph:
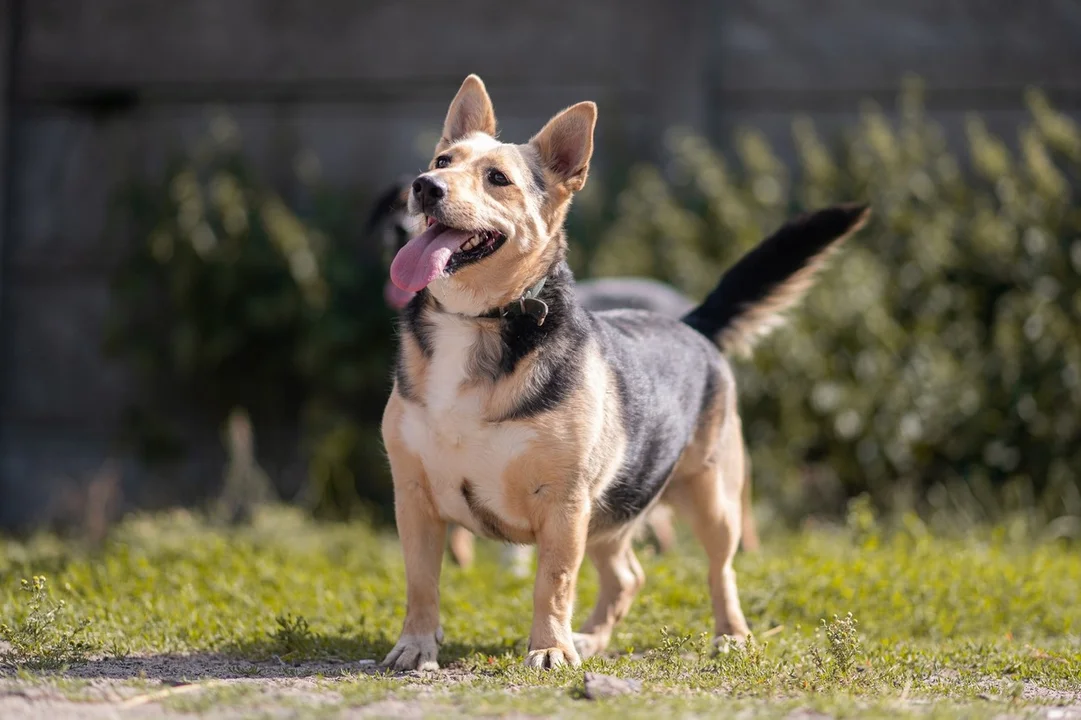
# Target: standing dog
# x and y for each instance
(523, 417)
(391, 225)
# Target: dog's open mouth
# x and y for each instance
(479, 246)
(441, 249)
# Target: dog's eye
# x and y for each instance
(497, 178)
(442, 161)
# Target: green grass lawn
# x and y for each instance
(849, 621)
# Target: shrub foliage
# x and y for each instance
(231, 298)
(938, 362)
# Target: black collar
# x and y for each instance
(529, 304)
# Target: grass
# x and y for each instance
(852, 621)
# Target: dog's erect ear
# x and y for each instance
(565, 144)
(471, 111)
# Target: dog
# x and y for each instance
(523, 417)
(391, 226)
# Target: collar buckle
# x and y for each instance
(535, 308)
(529, 304)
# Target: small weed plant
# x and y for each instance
(42, 639)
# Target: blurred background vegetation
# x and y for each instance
(231, 299)
(936, 367)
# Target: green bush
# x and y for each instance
(229, 298)
(938, 362)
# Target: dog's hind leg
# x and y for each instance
(659, 521)
(461, 546)
(621, 577)
(750, 527)
(710, 499)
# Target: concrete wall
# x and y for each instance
(107, 88)
(6, 23)
(773, 58)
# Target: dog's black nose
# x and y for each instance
(429, 191)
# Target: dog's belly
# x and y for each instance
(456, 447)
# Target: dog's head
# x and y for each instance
(494, 211)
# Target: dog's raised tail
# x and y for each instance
(751, 298)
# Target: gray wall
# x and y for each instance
(773, 58)
(106, 88)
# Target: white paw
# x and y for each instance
(518, 559)
(415, 652)
(725, 643)
(588, 644)
(552, 658)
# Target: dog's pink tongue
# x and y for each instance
(395, 296)
(424, 257)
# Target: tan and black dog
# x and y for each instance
(391, 226)
(523, 417)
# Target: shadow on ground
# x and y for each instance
(307, 655)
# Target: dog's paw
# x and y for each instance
(589, 644)
(518, 559)
(415, 652)
(725, 643)
(552, 658)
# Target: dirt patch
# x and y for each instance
(224, 687)
(112, 698)
(393, 709)
(17, 708)
(156, 686)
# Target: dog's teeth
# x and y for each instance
(470, 243)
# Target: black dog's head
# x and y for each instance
(391, 226)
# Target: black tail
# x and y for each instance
(751, 297)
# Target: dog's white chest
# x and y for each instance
(452, 438)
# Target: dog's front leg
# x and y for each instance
(561, 546)
(422, 535)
